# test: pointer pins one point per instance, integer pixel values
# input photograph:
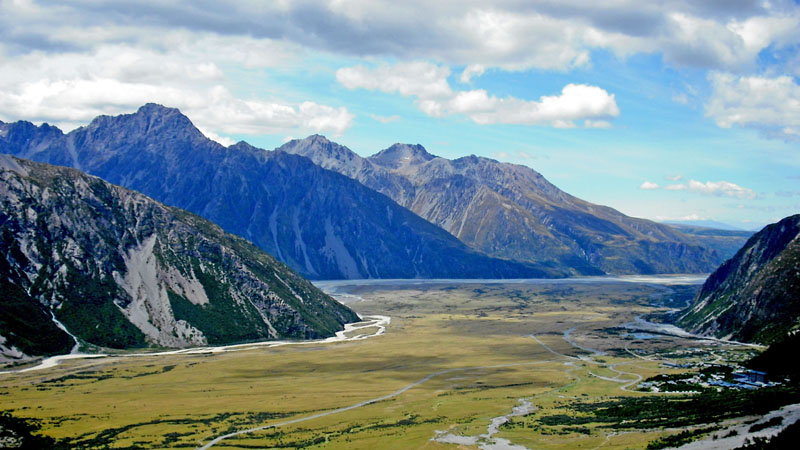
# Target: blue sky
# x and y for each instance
(680, 110)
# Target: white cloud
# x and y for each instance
(693, 217)
(553, 35)
(419, 79)
(150, 46)
(715, 188)
(224, 140)
(673, 177)
(512, 39)
(597, 124)
(771, 105)
(648, 186)
(384, 119)
(69, 89)
(473, 70)
(576, 102)
(686, 218)
(721, 188)
(434, 96)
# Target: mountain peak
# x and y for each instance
(402, 155)
(318, 138)
(154, 109)
(318, 146)
(150, 118)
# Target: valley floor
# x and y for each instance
(472, 365)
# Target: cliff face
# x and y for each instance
(754, 296)
(121, 270)
(511, 211)
(322, 224)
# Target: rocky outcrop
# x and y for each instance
(754, 296)
(121, 270)
(322, 224)
(511, 211)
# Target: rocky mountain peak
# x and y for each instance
(318, 145)
(243, 146)
(150, 119)
(402, 155)
(325, 153)
(318, 139)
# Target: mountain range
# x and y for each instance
(511, 211)
(119, 270)
(402, 213)
(322, 224)
(754, 296)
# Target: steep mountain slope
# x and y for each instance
(323, 224)
(754, 296)
(120, 270)
(511, 211)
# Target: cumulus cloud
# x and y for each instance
(715, 188)
(648, 186)
(428, 84)
(721, 188)
(771, 105)
(575, 102)
(69, 89)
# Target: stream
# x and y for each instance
(487, 441)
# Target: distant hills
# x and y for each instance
(402, 213)
(704, 224)
(511, 211)
(755, 296)
(725, 242)
(121, 270)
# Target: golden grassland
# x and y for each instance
(476, 336)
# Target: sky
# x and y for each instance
(671, 110)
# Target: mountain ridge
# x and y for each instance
(753, 297)
(121, 270)
(512, 211)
